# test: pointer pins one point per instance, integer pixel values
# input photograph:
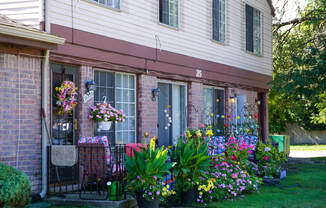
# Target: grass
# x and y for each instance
(308, 147)
(305, 186)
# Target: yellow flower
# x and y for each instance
(188, 135)
(198, 133)
(238, 117)
(212, 114)
(200, 193)
(209, 132)
(152, 143)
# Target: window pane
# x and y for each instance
(125, 95)
(118, 95)
(132, 123)
(131, 82)
(131, 110)
(118, 80)
(249, 28)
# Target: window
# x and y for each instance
(213, 103)
(219, 20)
(169, 12)
(253, 30)
(110, 3)
(119, 88)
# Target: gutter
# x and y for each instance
(45, 75)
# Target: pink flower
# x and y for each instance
(265, 158)
(201, 125)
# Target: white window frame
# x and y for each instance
(168, 25)
(225, 22)
(135, 84)
(105, 4)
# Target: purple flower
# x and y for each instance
(138, 177)
(149, 193)
(155, 177)
(158, 193)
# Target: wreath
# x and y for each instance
(66, 97)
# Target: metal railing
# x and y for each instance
(99, 173)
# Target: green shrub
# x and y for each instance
(15, 188)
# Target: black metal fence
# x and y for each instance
(98, 174)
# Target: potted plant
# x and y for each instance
(105, 114)
(146, 169)
(192, 160)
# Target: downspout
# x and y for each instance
(45, 75)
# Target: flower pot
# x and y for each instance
(104, 125)
(143, 203)
(189, 196)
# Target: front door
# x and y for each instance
(63, 128)
(171, 112)
(62, 179)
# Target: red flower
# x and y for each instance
(265, 158)
(228, 116)
(256, 116)
(226, 125)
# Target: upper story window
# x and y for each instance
(219, 20)
(110, 3)
(253, 30)
(169, 12)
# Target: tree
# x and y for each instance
(299, 63)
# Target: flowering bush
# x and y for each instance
(66, 96)
(231, 179)
(238, 150)
(105, 112)
(270, 161)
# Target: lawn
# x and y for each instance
(308, 147)
(305, 186)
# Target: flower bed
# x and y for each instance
(206, 166)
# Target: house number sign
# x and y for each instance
(199, 73)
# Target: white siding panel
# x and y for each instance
(29, 12)
(137, 22)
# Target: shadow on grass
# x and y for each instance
(305, 186)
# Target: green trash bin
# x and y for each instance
(283, 142)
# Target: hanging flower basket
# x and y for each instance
(66, 95)
(105, 114)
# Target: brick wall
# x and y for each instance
(195, 104)
(147, 108)
(20, 118)
(84, 125)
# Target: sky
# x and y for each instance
(291, 8)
